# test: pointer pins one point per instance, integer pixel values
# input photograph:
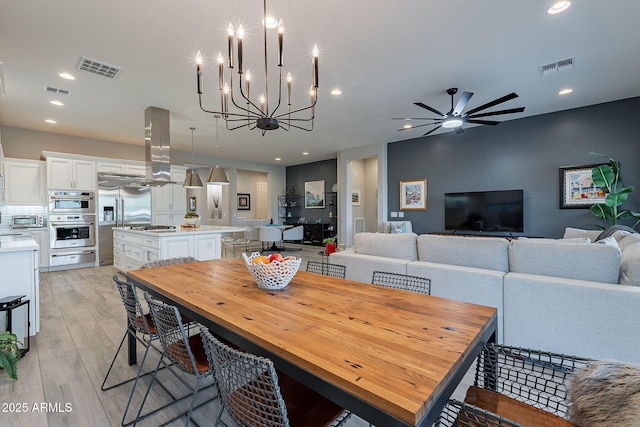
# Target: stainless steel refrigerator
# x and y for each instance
(120, 206)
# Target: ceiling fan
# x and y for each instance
(455, 118)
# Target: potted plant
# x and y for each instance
(191, 218)
(9, 354)
(607, 177)
(330, 245)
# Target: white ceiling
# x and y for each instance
(384, 55)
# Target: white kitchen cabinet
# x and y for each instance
(20, 276)
(169, 202)
(176, 246)
(139, 169)
(206, 246)
(24, 182)
(75, 174)
(41, 235)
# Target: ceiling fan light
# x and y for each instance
(217, 176)
(192, 180)
(452, 122)
(559, 6)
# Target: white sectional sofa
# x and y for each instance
(568, 296)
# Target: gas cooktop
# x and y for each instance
(153, 228)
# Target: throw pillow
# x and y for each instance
(629, 240)
(611, 241)
(630, 266)
(617, 231)
(398, 227)
(570, 233)
(605, 394)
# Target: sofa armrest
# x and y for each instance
(570, 316)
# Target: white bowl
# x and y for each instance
(192, 220)
(275, 275)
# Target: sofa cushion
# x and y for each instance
(480, 252)
(598, 263)
(402, 246)
(630, 266)
(571, 233)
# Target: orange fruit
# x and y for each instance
(263, 259)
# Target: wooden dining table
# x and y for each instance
(392, 357)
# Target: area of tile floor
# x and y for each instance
(81, 324)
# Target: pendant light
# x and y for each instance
(217, 176)
(192, 179)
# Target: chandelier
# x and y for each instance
(238, 108)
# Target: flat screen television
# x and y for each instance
(485, 211)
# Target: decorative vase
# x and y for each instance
(216, 214)
(330, 248)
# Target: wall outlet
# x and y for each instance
(394, 214)
(401, 214)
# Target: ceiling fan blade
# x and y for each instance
(505, 98)
(462, 102)
(419, 126)
(483, 122)
(433, 130)
(496, 113)
(414, 118)
(433, 110)
(458, 129)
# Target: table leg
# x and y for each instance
(131, 344)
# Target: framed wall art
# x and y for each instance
(355, 197)
(577, 190)
(244, 202)
(413, 194)
(314, 194)
(192, 204)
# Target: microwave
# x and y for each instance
(27, 221)
(77, 202)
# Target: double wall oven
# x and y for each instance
(72, 228)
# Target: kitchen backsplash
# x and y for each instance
(8, 211)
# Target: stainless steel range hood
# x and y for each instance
(157, 147)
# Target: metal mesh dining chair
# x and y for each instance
(254, 394)
(421, 285)
(185, 352)
(327, 269)
(514, 385)
(169, 261)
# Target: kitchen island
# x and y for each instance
(20, 275)
(133, 248)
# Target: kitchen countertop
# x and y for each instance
(16, 241)
(182, 231)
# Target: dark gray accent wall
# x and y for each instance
(520, 154)
(296, 176)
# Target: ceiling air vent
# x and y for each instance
(554, 67)
(100, 68)
(58, 92)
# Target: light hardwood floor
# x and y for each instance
(81, 324)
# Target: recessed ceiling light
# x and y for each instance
(53, 122)
(278, 159)
(407, 126)
(67, 76)
(58, 103)
(305, 153)
(558, 7)
(271, 22)
(336, 92)
(565, 91)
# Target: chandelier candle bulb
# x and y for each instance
(240, 36)
(220, 71)
(199, 72)
(280, 40)
(225, 106)
(315, 66)
(230, 38)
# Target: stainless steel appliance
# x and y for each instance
(27, 221)
(72, 231)
(120, 204)
(77, 202)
